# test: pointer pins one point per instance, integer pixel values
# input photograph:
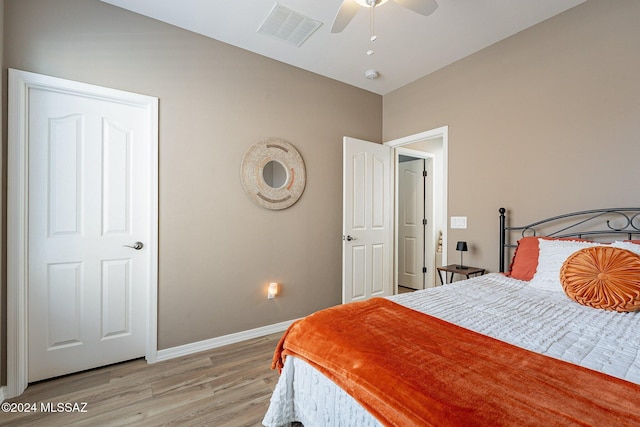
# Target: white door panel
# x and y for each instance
(89, 180)
(411, 212)
(380, 269)
(367, 244)
(358, 272)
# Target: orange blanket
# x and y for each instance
(410, 369)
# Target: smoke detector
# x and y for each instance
(371, 74)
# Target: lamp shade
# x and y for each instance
(462, 246)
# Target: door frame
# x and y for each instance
(440, 162)
(20, 82)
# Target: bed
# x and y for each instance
(552, 338)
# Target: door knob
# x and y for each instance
(349, 238)
(137, 246)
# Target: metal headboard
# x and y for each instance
(594, 224)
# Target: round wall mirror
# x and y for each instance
(273, 173)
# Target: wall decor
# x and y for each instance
(273, 173)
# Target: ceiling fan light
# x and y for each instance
(365, 3)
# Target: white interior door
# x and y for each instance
(89, 201)
(367, 249)
(411, 226)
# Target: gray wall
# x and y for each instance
(218, 250)
(542, 123)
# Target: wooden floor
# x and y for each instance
(228, 386)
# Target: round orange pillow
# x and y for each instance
(603, 277)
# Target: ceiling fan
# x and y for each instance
(349, 8)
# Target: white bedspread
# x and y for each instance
(507, 309)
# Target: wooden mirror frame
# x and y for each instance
(253, 163)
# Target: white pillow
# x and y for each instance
(553, 253)
(633, 247)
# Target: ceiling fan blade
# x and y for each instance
(347, 11)
(423, 7)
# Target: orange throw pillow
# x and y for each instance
(603, 277)
(525, 258)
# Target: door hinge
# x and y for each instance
(424, 269)
(424, 221)
(424, 173)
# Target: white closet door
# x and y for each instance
(411, 230)
(89, 199)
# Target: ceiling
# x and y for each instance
(408, 45)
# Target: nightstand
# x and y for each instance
(454, 269)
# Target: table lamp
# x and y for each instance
(462, 247)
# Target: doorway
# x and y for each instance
(82, 188)
(369, 224)
(432, 146)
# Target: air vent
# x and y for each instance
(289, 26)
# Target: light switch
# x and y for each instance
(458, 222)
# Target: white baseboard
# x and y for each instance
(184, 350)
